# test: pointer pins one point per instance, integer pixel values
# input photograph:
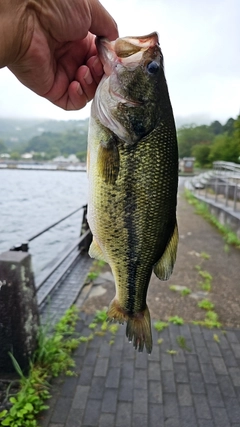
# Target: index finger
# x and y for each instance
(102, 22)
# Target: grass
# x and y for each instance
(206, 304)
(52, 357)
(95, 270)
(204, 255)
(182, 343)
(159, 325)
(176, 320)
(185, 292)
(205, 284)
(201, 208)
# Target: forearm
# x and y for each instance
(12, 30)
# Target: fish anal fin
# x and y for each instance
(138, 330)
(108, 161)
(96, 252)
(164, 267)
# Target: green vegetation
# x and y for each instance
(173, 288)
(46, 139)
(176, 320)
(185, 292)
(100, 316)
(206, 304)
(201, 209)
(95, 270)
(50, 138)
(52, 357)
(159, 325)
(211, 320)
(182, 343)
(172, 352)
(216, 338)
(210, 143)
(204, 255)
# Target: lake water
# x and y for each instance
(32, 200)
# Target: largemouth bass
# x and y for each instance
(133, 177)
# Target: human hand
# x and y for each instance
(54, 51)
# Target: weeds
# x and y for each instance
(159, 325)
(182, 343)
(204, 255)
(172, 352)
(201, 209)
(206, 304)
(216, 338)
(176, 320)
(52, 357)
(185, 292)
(206, 284)
(100, 316)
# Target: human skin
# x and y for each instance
(50, 47)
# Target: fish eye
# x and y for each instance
(153, 67)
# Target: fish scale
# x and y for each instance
(133, 186)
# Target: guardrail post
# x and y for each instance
(226, 193)
(19, 318)
(84, 228)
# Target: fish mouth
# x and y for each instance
(126, 51)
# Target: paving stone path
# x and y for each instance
(117, 386)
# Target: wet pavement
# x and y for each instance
(198, 385)
(117, 386)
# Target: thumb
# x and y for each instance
(102, 22)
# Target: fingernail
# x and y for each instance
(79, 90)
(98, 68)
(88, 78)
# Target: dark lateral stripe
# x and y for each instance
(129, 211)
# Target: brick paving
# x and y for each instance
(117, 386)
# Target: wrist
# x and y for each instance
(13, 26)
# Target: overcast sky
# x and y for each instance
(200, 40)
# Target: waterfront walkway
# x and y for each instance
(199, 385)
(117, 386)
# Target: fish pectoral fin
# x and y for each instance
(108, 161)
(96, 252)
(164, 267)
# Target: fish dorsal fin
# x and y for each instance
(108, 161)
(96, 252)
(164, 267)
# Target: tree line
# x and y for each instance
(52, 144)
(206, 143)
(210, 143)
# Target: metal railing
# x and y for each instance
(222, 185)
(81, 243)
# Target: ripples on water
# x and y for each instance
(33, 200)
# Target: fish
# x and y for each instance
(132, 165)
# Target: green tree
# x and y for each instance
(216, 128)
(201, 153)
(225, 147)
(81, 155)
(229, 126)
(3, 148)
(15, 155)
(188, 136)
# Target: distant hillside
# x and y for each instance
(15, 132)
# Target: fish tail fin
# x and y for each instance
(138, 328)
